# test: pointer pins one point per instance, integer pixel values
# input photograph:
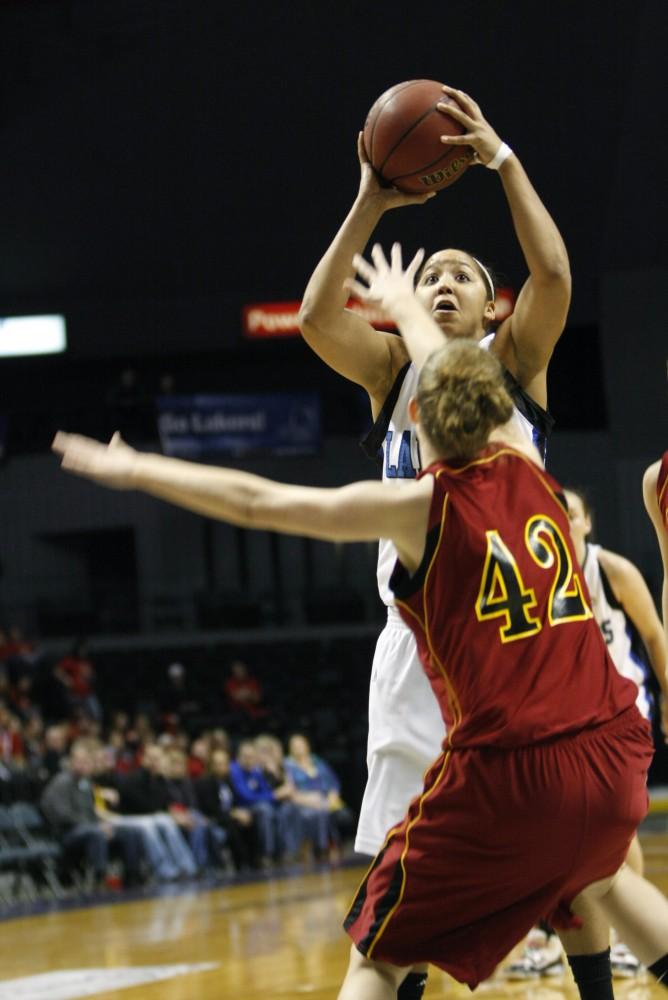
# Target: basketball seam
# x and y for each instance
(408, 131)
(390, 97)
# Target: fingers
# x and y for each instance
(363, 267)
(378, 257)
(414, 265)
(455, 112)
(396, 258)
(59, 442)
(357, 289)
(361, 149)
(463, 99)
(457, 140)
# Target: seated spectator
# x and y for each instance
(198, 757)
(244, 693)
(318, 791)
(68, 803)
(76, 674)
(148, 827)
(143, 792)
(12, 749)
(21, 696)
(215, 797)
(55, 750)
(183, 807)
(276, 818)
(220, 741)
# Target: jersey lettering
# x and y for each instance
(404, 469)
(547, 546)
(502, 593)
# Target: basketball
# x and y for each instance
(402, 138)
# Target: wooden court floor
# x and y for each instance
(280, 937)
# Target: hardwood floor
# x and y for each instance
(275, 938)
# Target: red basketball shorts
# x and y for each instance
(498, 840)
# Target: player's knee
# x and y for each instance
(597, 890)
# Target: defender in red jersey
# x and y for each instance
(530, 808)
(542, 781)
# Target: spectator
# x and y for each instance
(144, 792)
(55, 750)
(318, 792)
(198, 757)
(220, 741)
(76, 674)
(12, 750)
(68, 804)
(244, 693)
(215, 797)
(183, 807)
(276, 819)
(148, 827)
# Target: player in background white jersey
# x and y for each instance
(622, 606)
(405, 726)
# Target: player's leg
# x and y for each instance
(588, 951)
(369, 979)
(405, 735)
(639, 911)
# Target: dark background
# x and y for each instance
(163, 162)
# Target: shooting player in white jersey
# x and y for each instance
(405, 726)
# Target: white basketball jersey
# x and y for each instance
(401, 452)
(621, 636)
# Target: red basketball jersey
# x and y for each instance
(500, 610)
(662, 489)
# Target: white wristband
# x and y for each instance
(501, 155)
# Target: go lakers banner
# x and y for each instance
(267, 423)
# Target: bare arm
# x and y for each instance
(524, 341)
(652, 505)
(345, 341)
(359, 512)
(631, 591)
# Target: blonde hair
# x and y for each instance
(462, 398)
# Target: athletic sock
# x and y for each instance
(593, 975)
(413, 986)
(659, 969)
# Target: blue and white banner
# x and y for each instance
(267, 423)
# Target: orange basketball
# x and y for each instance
(402, 138)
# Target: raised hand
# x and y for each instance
(111, 464)
(478, 133)
(372, 188)
(385, 282)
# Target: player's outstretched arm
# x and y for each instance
(524, 341)
(345, 341)
(359, 512)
